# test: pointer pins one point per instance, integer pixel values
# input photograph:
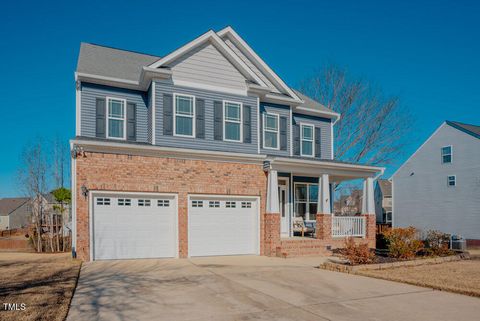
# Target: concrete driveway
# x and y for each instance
(252, 288)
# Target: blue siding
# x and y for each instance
(89, 94)
(325, 132)
(281, 110)
(208, 143)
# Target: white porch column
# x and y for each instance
(272, 192)
(368, 202)
(324, 195)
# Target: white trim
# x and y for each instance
(259, 119)
(107, 112)
(91, 195)
(220, 45)
(332, 149)
(78, 106)
(291, 132)
(454, 180)
(153, 112)
(451, 154)
(308, 201)
(224, 120)
(271, 131)
(175, 95)
(316, 112)
(288, 207)
(436, 130)
(194, 85)
(302, 124)
(215, 197)
(257, 61)
(73, 179)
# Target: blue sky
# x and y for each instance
(427, 53)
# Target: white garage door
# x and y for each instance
(223, 225)
(127, 226)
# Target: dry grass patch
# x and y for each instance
(43, 282)
(460, 276)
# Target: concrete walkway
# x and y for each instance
(252, 288)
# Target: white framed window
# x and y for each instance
(306, 201)
(116, 118)
(124, 202)
(232, 121)
(144, 202)
(271, 132)
(246, 204)
(184, 115)
(214, 204)
(197, 203)
(229, 204)
(447, 154)
(307, 139)
(452, 180)
(103, 201)
(163, 203)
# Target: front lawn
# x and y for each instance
(459, 276)
(44, 283)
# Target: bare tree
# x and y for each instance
(59, 154)
(372, 126)
(33, 180)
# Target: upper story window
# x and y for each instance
(184, 115)
(232, 120)
(270, 131)
(446, 154)
(307, 139)
(116, 124)
(452, 180)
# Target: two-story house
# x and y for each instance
(205, 151)
(383, 201)
(438, 187)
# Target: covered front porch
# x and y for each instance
(299, 212)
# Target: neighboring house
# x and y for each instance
(383, 201)
(438, 187)
(14, 213)
(205, 151)
(349, 204)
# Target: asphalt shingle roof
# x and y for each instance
(467, 128)
(310, 103)
(8, 205)
(385, 187)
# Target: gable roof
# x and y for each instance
(8, 205)
(466, 128)
(111, 62)
(385, 186)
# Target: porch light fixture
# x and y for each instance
(84, 191)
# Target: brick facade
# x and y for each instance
(272, 233)
(132, 173)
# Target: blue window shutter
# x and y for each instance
(167, 114)
(296, 139)
(318, 147)
(200, 118)
(218, 120)
(100, 128)
(283, 133)
(247, 124)
(131, 122)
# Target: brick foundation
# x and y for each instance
(132, 173)
(272, 233)
(324, 226)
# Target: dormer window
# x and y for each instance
(270, 131)
(116, 124)
(184, 115)
(446, 155)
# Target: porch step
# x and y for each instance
(302, 247)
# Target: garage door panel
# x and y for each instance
(223, 230)
(127, 232)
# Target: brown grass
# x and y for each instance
(460, 276)
(43, 282)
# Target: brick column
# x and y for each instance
(324, 226)
(370, 229)
(272, 233)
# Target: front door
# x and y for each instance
(284, 217)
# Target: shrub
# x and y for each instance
(357, 253)
(403, 243)
(437, 243)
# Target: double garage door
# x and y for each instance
(127, 226)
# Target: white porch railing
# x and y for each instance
(344, 226)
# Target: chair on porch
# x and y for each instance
(299, 227)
